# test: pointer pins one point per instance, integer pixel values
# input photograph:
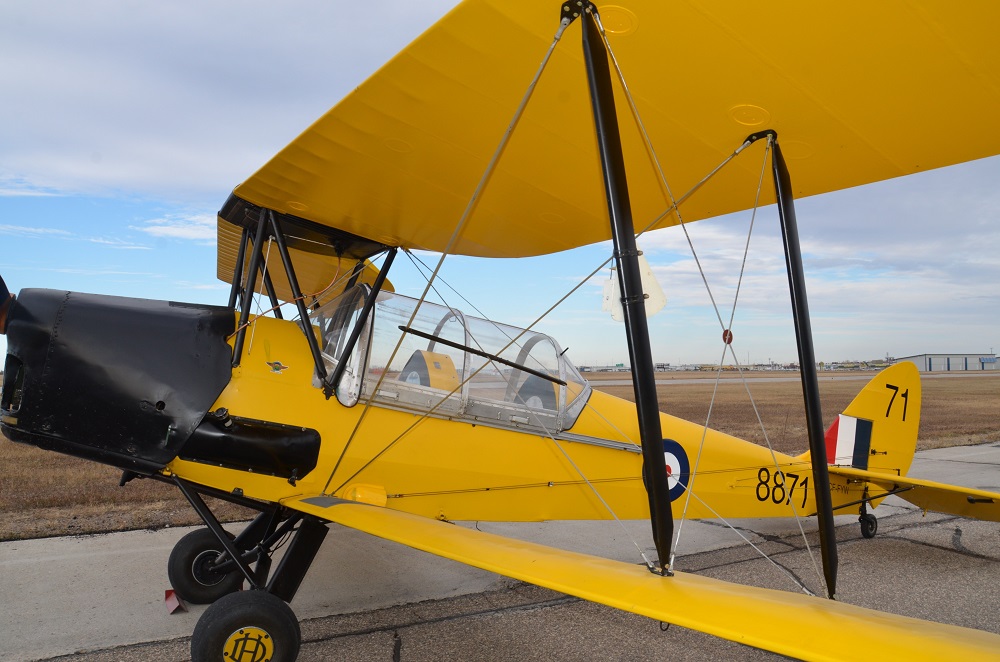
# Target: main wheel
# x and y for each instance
(190, 573)
(244, 627)
(869, 525)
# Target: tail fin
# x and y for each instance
(878, 430)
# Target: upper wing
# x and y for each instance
(926, 494)
(788, 623)
(321, 277)
(857, 91)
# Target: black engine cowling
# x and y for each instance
(117, 380)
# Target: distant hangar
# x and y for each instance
(952, 362)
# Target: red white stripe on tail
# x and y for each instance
(849, 441)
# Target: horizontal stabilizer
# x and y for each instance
(788, 623)
(928, 495)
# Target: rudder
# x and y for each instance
(878, 430)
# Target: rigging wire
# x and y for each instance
(785, 570)
(674, 207)
(460, 226)
(689, 488)
(513, 341)
(649, 564)
(457, 388)
(675, 203)
(256, 299)
(418, 263)
(337, 279)
(774, 461)
(718, 375)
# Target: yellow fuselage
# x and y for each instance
(463, 470)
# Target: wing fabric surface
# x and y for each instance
(787, 623)
(929, 495)
(857, 91)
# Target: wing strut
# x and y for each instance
(234, 289)
(268, 227)
(633, 299)
(807, 359)
(251, 285)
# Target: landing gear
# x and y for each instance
(868, 521)
(250, 625)
(193, 569)
(869, 525)
(210, 564)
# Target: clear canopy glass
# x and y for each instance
(447, 369)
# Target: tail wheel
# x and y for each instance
(869, 525)
(244, 627)
(190, 569)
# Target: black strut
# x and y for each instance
(630, 280)
(807, 364)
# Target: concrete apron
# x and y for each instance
(64, 595)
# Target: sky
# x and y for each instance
(125, 125)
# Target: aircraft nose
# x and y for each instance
(6, 303)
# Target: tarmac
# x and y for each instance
(101, 598)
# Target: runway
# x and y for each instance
(755, 377)
(101, 597)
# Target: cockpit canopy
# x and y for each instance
(404, 370)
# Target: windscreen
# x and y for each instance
(446, 369)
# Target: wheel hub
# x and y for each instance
(201, 568)
(248, 644)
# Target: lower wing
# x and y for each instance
(928, 495)
(788, 623)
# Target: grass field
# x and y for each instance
(48, 494)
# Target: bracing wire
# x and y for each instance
(456, 389)
(421, 267)
(253, 327)
(315, 296)
(537, 421)
(783, 569)
(460, 226)
(674, 207)
(708, 418)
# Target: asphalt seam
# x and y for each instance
(417, 622)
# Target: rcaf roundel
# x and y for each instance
(678, 467)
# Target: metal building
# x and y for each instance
(952, 362)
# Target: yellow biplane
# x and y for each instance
(496, 134)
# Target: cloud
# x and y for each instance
(211, 287)
(201, 227)
(88, 271)
(13, 186)
(170, 100)
(7, 191)
(23, 231)
(66, 235)
(118, 243)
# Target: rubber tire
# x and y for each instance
(869, 525)
(194, 548)
(231, 613)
